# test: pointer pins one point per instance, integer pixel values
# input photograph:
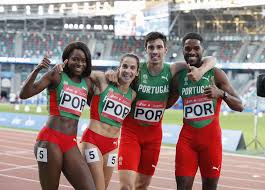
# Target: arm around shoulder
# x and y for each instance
(173, 92)
(177, 66)
(99, 79)
(208, 63)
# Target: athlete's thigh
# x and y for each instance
(94, 160)
(129, 152)
(186, 158)
(149, 157)
(110, 162)
(211, 160)
(76, 170)
(49, 158)
(92, 156)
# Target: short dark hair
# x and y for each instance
(68, 50)
(153, 36)
(192, 35)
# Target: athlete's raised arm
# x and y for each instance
(221, 88)
(32, 87)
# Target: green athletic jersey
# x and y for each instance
(111, 106)
(198, 110)
(68, 99)
(152, 94)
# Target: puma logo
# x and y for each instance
(164, 77)
(216, 168)
(205, 78)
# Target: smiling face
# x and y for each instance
(156, 51)
(78, 58)
(192, 51)
(128, 69)
(77, 62)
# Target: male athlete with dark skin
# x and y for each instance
(141, 133)
(200, 144)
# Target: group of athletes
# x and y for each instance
(126, 111)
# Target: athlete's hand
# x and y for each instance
(112, 76)
(194, 73)
(44, 63)
(59, 67)
(213, 91)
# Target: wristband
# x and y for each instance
(224, 95)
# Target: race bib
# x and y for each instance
(42, 154)
(198, 108)
(73, 99)
(92, 155)
(149, 111)
(112, 160)
(116, 107)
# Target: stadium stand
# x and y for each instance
(235, 37)
(7, 44)
(36, 44)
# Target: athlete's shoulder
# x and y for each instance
(142, 65)
(167, 66)
(217, 72)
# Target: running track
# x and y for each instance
(18, 169)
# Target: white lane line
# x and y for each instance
(219, 184)
(243, 156)
(254, 174)
(16, 142)
(15, 165)
(252, 161)
(17, 152)
(16, 156)
(223, 165)
(14, 148)
(165, 148)
(30, 180)
(236, 172)
(19, 167)
(18, 130)
(153, 187)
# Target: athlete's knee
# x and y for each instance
(209, 183)
(142, 183)
(126, 187)
(143, 186)
(184, 182)
(49, 185)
